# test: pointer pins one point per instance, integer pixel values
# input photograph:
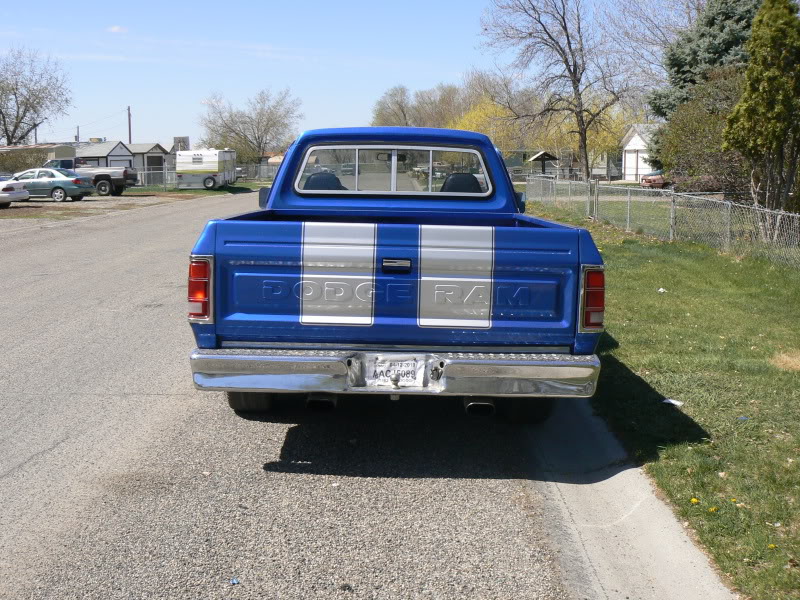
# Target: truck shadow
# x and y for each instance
(433, 438)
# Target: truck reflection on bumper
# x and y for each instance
(446, 373)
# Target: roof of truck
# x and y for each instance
(396, 134)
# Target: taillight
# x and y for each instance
(594, 299)
(125, 173)
(8, 189)
(77, 181)
(199, 288)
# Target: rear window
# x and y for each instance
(400, 170)
(67, 172)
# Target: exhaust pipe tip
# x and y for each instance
(321, 402)
(479, 407)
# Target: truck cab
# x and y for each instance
(394, 261)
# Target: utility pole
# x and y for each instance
(36, 135)
(78, 134)
(129, 124)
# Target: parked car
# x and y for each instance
(58, 184)
(106, 180)
(655, 180)
(349, 169)
(11, 191)
(453, 291)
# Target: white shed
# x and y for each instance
(148, 157)
(104, 154)
(634, 151)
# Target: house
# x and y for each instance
(148, 157)
(634, 151)
(103, 154)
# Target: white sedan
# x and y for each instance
(11, 191)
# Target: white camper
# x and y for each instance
(207, 169)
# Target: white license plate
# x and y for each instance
(403, 371)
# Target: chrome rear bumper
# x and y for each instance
(446, 373)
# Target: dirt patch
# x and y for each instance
(47, 209)
(787, 361)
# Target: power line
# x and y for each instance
(71, 129)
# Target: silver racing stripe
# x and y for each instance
(456, 276)
(338, 274)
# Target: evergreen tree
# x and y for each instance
(717, 39)
(765, 124)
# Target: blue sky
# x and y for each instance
(164, 58)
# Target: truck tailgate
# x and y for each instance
(394, 284)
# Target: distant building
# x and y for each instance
(148, 157)
(634, 151)
(96, 154)
(103, 154)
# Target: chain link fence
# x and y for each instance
(704, 218)
(166, 179)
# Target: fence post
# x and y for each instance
(726, 242)
(672, 218)
(589, 211)
(569, 191)
(596, 199)
(628, 216)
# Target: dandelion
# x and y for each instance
(713, 509)
(772, 546)
(694, 501)
(733, 500)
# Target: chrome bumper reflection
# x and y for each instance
(446, 373)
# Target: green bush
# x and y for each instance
(14, 161)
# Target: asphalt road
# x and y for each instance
(119, 480)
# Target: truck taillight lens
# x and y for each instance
(199, 288)
(594, 298)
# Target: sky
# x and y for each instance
(164, 58)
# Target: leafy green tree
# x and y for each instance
(690, 145)
(765, 124)
(717, 39)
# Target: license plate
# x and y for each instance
(406, 371)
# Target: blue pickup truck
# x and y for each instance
(396, 261)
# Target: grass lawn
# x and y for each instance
(724, 339)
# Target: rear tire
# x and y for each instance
(117, 190)
(5, 204)
(209, 183)
(249, 402)
(103, 187)
(77, 198)
(58, 194)
(526, 411)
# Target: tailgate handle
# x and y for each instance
(396, 265)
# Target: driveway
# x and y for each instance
(119, 480)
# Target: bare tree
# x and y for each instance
(574, 78)
(32, 89)
(267, 123)
(641, 30)
(440, 106)
(394, 108)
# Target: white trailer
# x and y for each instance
(207, 169)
